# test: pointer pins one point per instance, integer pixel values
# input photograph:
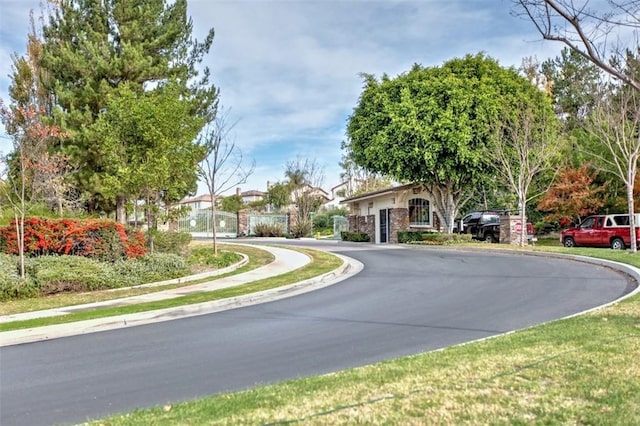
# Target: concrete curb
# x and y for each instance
(348, 268)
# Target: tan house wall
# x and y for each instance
(365, 214)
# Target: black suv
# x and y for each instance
(482, 225)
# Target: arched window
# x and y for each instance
(419, 214)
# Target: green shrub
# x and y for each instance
(157, 267)
(171, 242)
(8, 265)
(47, 275)
(268, 230)
(409, 236)
(56, 274)
(322, 221)
(17, 288)
(11, 285)
(439, 238)
(357, 237)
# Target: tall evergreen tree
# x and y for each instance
(93, 47)
(574, 84)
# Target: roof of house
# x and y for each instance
(379, 192)
(339, 185)
(203, 197)
(252, 193)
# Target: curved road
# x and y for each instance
(407, 300)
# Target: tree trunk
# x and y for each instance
(20, 235)
(523, 220)
(446, 205)
(632, 217)
(214, 227)
(120, 210)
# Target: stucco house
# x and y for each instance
(197, 203)
(339, 193)
(251, 196)
(383, 213)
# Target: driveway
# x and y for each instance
(407, 300)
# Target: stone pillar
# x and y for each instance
(510, 230)
(292, 218)
(367, 224)
(243, 223)
(352, 223)
(398, 221)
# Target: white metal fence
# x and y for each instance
(199, 224)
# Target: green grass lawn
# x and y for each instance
(582, 370)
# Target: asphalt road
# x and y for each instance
(405, 301)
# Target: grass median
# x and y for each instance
(581, 370)
(321, 262)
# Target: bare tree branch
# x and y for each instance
(222, 168)
(589, 32)
(615, 123)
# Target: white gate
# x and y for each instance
(199, 224)
(340, 224)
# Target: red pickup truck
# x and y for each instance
(611, 230)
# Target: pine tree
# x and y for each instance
(94, 47)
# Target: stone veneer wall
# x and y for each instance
(508, 234)
(398, 221)
(243, 223)
(366, 224)
(352, 223)
(292, 218)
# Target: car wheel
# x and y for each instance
(489, 238)
(569, 242)
(617, 244)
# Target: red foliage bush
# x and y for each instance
(99, 239)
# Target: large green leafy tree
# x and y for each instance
(93, 47)
(279, 195)
(432, 125)
(147, 146)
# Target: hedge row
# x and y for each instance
(47, 275)
(357, 237)
(438, 238)
(100, 239)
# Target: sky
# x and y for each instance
(289, 71)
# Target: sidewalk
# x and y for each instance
(285, 261)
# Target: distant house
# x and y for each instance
(310, 190)
(251, 196)
(338, 193)
(382, 214)
(197, 203)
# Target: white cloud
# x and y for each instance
(289, 69)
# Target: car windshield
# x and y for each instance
(471, 217)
